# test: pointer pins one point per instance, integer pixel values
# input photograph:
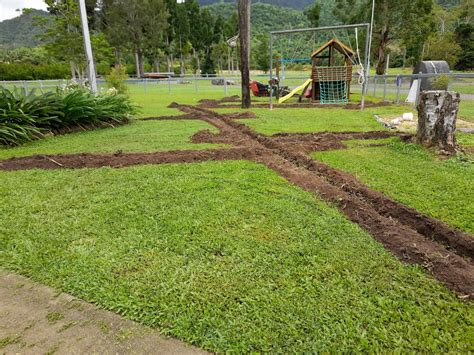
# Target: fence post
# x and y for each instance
(385, 87)
(399, 84)
(418, 90)
(375, 84)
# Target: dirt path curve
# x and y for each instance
(35, 319)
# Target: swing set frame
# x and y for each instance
(366, 64)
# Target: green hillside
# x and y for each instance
(265, 17)
(19, 31)
(296, 4)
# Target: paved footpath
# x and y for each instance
(35, 319)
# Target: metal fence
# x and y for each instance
(386, 87)
(171, 85)
(396, 87)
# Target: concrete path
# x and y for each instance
(35, 319)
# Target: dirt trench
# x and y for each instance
(234, 102)
(413, 237)
(120, 160)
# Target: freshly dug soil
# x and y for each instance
(314, 142)
(226, 100)
(408, 234)
(413, 237)
(120, 160)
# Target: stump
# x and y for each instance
(437, 112)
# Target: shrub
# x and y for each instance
(24, 71)
(25, 116)
(440, 83)
(117, 79)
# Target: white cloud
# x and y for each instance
(8, 7)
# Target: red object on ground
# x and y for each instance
(259, 89)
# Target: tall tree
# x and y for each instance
(140, 23)
(313, 13)
(408, 20)
(262, 52)
(244, 28)
(63, 36)
(464, 34)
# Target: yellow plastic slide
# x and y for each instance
(297, 90)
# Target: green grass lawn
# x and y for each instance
(413, 176)
(224, 255)
(465, 139)
(139, 136)
(466, 110)
(306, 120)
(466, 87)
(155, 98)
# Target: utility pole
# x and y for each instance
(372, 14)
(244, 29)
(88, 47)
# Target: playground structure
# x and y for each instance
(332, 62)
(332, 72)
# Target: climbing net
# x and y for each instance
(333, 84)
(294, 47)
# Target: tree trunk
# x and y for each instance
(137, 65)
(244, 26)
(118, 57)
(381, 51)
(141, 64)
(72, 66)
(437, 111)
(181, 65)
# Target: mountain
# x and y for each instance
(265, 17)
(448, 3)
(295, 4)
(19, 31)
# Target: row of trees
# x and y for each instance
(159, 32)
(164, 35)
(416, 29)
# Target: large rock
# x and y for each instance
(437, 113)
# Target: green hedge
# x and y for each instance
(23, 71)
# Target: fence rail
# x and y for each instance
(393, 87)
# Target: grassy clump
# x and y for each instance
(117, 78)
(410, 174)
(318, 119)
(138, 136)
(25, 116)
(224, 255)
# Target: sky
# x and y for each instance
(8, 7)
